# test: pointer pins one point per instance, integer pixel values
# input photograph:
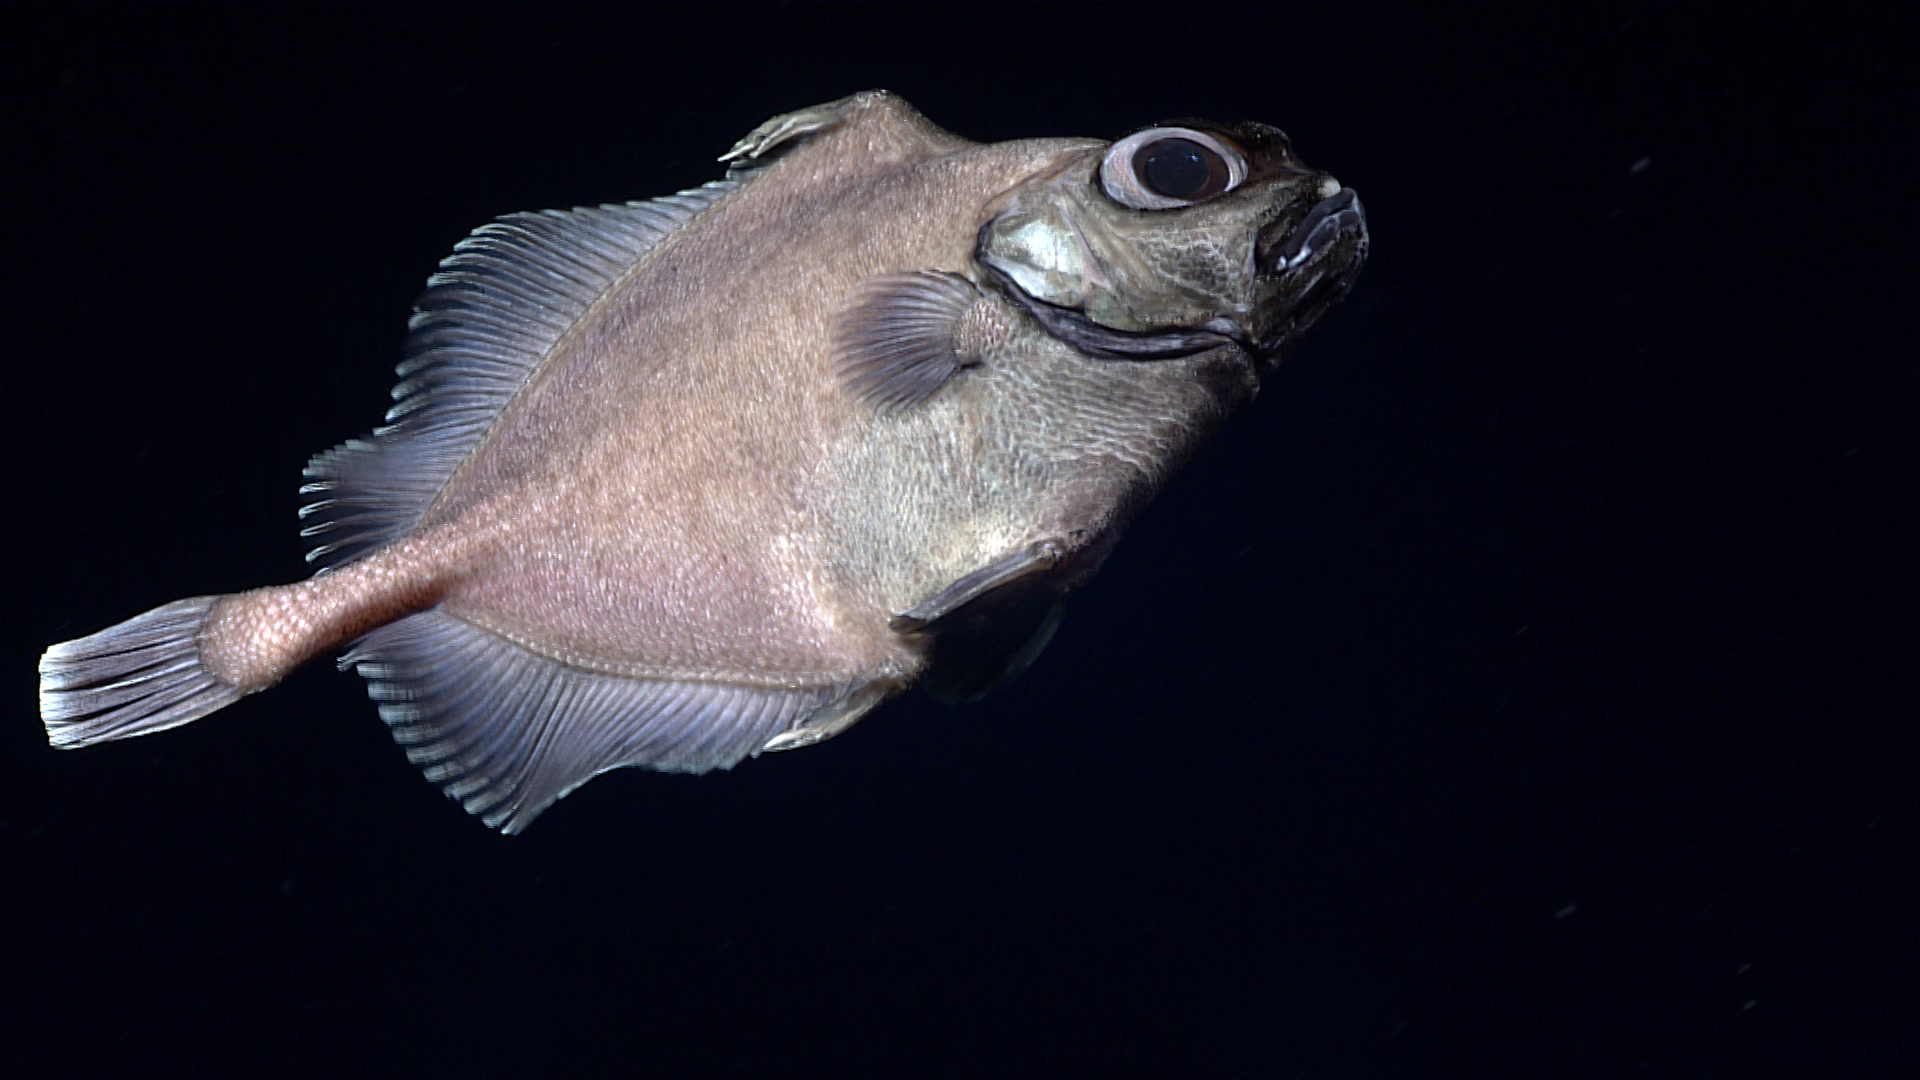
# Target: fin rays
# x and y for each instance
(497, 306)
(507, 733)
(139, 677)
(896, 339)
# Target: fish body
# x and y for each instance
(673, 483)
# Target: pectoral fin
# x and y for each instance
(899, 339)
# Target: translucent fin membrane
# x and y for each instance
(497, 307)
(141, 676)
(507, 733)
(896, 341)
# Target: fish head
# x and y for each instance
(1176, 239)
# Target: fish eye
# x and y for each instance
(1180, 169)
(1167, 168)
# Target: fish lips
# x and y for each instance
(1281, 250)
(1315, 260)
(1304, 269)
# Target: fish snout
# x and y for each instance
(1283, 247)
(1304, 265)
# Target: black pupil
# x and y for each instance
(1176, 168)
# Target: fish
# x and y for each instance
(674, 483)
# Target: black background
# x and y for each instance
(1523, 686)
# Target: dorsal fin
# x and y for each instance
(507, 732)
(492, 313)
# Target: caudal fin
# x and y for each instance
(141, 676)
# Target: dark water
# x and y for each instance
(1523, 687)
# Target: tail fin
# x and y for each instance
(142, 676)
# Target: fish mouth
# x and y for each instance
(1281, 251)
(1306, 268)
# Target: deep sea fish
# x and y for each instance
(671, 483)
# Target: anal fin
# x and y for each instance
(507, 732)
